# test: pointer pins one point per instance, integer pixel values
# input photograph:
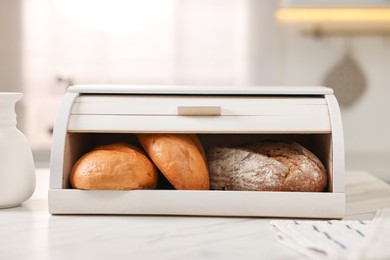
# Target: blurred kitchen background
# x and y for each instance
(47, 45)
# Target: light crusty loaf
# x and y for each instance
(180, 158)
(114, 167)
(266, 166)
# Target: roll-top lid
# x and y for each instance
(200, 90)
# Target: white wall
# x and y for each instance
(11, 52)
(10, 45)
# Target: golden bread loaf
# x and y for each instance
(114, 167)
(180, 158)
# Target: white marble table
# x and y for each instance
(30, 232)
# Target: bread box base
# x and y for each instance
(95, 115)
(199, 203)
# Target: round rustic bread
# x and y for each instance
(266, 166)
(114, 167)
(180, 158)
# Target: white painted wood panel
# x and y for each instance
(152, 105)
(204, 203)
(200, 124)
(200, 89)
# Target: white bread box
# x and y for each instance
(92, 115)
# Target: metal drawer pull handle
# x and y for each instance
(199, 110)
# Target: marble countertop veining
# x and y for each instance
(30, 232)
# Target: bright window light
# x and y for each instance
(116, 16)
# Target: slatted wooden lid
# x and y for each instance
(201, 90)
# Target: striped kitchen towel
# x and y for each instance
(338, 239)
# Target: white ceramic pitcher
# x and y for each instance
(17, 170)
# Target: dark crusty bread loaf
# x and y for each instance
(180, 158)
(114, 167)
(266, 166)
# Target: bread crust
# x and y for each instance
(114, 167)
(180, 158)
(266, 166)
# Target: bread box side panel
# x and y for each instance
(57, 156)
(337, 145)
